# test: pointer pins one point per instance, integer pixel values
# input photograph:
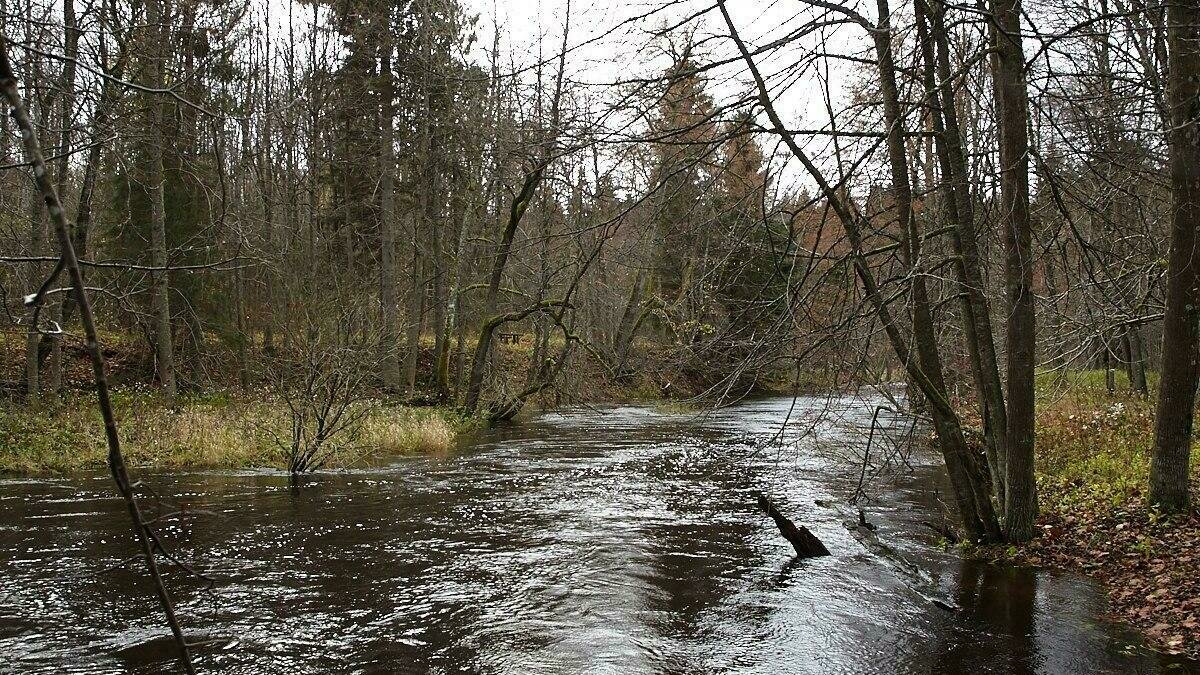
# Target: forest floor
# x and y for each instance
(1093, 466)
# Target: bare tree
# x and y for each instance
(155, 184)
(323, 380)
(1020, 496)
(924, 366)
(1180, 371)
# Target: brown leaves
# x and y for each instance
(1149, 566)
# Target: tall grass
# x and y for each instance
(211, 431)
(401, 431)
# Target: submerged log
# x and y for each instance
(913, 575)
(806, 543)
(862, 521)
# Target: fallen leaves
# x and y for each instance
(1149, 565)
(1093, 460)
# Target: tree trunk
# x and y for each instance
(91, 169)
(973, 496)
(976, 314)
(516, 211)
(453, 309)
(1058, 349)
(437, 318)
(388, 301)
(160, 285)
(241, 305)
(1110, 370)
(267, 177)
(66, 120)
(431, 209)
(483, 343)
(37, 237)
(637, 309)
(1137, 360)
(416, 315)
(1177, 387)
(1013, 118)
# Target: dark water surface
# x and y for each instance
(619, 541)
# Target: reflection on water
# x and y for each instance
(619, 541)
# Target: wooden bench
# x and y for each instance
(510, 338)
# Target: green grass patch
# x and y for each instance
(1093, 446)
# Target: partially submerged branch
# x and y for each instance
(806, 543)
(68, 262)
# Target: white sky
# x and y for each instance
(610, 42)
(607, 45)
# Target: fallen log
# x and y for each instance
(806, 543)
(862, 521)
(912, 574)
(945, 530)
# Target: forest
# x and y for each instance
(261, 240)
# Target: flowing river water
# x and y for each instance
(622, 540)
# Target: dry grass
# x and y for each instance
(213, 431)
(199, 435)
(403, 431)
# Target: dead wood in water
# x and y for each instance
(806, 543)
(913, 575)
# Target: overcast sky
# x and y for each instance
(609, 44)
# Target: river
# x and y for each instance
(618, 540)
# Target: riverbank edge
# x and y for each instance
(230, 429)
(1092, 468)
(218, 424)
(215, 430)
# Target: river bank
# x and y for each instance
(216, 430)
(1093, 458)
(220, 425)
(1092, 470)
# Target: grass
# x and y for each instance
(225, 429)
(219, 430)
(402, 431)
(678, 407)
(1093, 447)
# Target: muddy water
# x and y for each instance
(615, 541)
